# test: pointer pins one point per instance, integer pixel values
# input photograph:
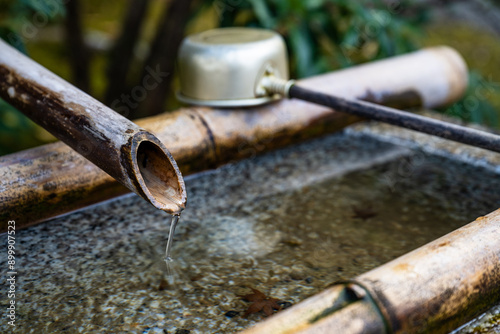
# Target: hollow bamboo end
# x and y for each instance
(158, 178)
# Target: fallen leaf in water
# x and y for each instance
(163, 285)
(364, 212)
(261, 302)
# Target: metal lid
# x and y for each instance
(224, 67)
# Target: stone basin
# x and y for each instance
(288, 223)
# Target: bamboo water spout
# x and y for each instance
(130, 154)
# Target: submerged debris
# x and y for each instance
(364, 213)
(231, 314)
(163, 285)
(284, 304)
(261, 302)
(182, 331)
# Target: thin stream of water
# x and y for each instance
(168, 251)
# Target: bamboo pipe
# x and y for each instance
(50, 180)
(131, 155)
(433, 289)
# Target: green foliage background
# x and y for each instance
(326, 34)
(321, 35)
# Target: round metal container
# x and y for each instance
(224, 67)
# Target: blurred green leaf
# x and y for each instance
(476, 105)
(263, 14)
(301, 44)
(17, 132)
(13, 38)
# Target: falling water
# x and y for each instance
(168, 258)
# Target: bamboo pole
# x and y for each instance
(50, 180)
(434, 289)
(130, 154)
